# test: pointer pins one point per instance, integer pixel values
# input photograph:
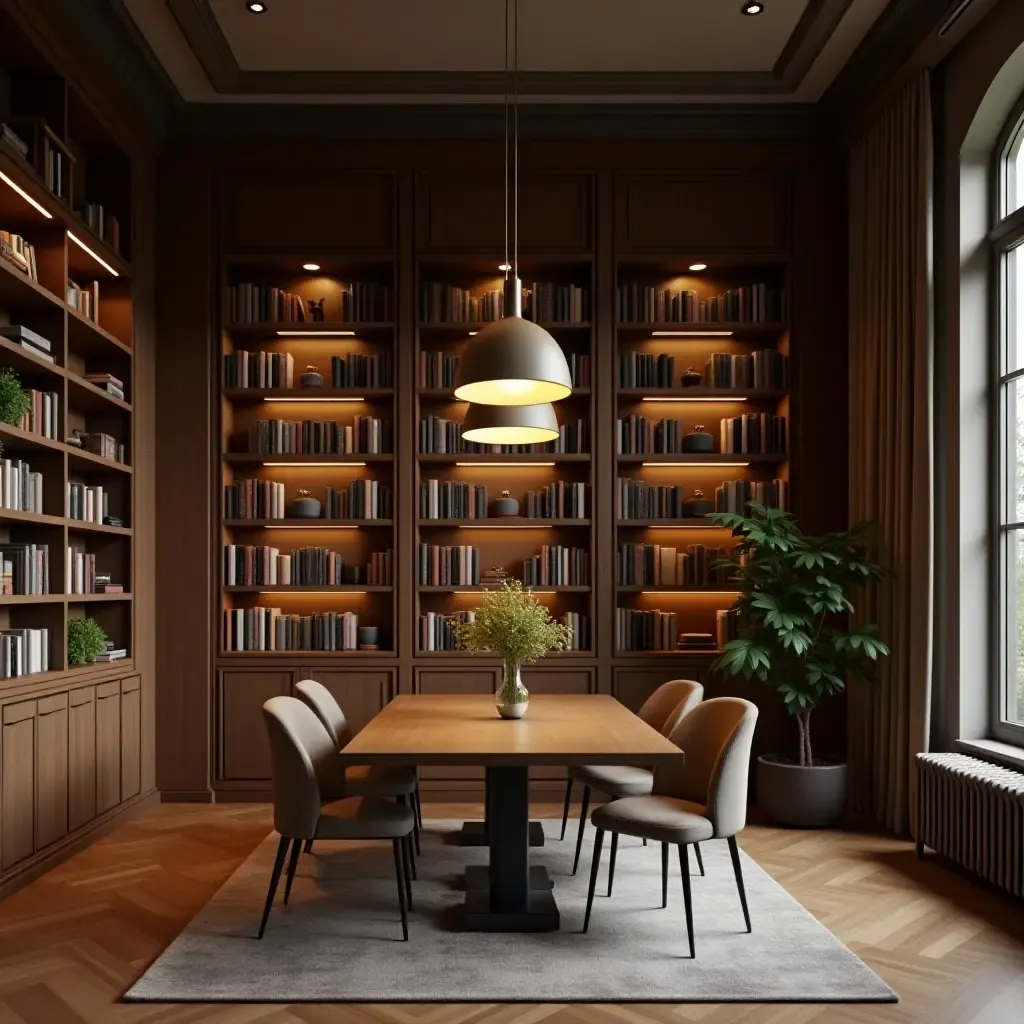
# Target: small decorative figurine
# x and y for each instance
(312, 379)
(316, 310)
(369, 638)
(698, 505)
(692, 378)
(698, 440)
(305, 506)
(506, 505)
(493, 577)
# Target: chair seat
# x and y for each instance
(663, 819)
(614, 779)
(379, 780)
(358, 817)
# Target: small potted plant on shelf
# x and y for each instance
(794, 635)
(86, 640)
(14, 402)
(512, 624)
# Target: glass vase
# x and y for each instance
(512, 698)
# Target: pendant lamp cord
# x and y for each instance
(515, 146)
(507, 264)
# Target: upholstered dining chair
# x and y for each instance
(361, 780)
(704, 797)
(305, 765)
(663, 710)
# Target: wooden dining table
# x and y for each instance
(508, 895)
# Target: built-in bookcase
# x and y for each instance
(79, 230)
(559, 296)
(687, 323)
(351, 345)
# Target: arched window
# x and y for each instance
(1007, 238)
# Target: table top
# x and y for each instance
(464, 729)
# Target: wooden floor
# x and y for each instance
(74, 940)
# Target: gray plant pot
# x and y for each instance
(795, 797)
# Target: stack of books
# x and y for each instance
(19, 253)
(107, 382)
(103, 584)
(24, 651)
(31, 342)
(112, 653)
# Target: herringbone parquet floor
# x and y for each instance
(74, 940)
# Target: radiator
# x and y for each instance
(973, 813)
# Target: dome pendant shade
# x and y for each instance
(512, 362)
(510, 424)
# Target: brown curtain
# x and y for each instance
(890, 444)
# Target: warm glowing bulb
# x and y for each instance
(310, 266)
(512, 391)
(698, 266)
(510, 435)
(504, 266)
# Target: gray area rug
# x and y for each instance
(339, 940)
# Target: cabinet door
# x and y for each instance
(244, 754)
(131, 737)
(361, 695)
(18, 787)
(51, 769)
(455, 680)
(632, 686)
(108, 746)
(82, 756)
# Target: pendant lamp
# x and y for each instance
(510, 424)
(512, 362)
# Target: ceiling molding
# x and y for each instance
(555, 122)
(203, 33)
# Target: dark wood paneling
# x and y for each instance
(464, 212)
(304, 212)
(51, 769)
(244, 751)
(18, 787)
(632, 686)
(725, 213)
(108, 746)
(360, 694)
(82, 757)
(131, 737)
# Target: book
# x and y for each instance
(452, 499)
(85, 300)
(21, 254)
(23, 652)
(24, 336)
(21, 489)
(249, 565)
(448, 565)
(268, 629)
(25, 568)
(43, 414)
(80, 572)
(89, 504)
(364, 435)
(640, 303)
(557, 566)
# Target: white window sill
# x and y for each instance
(993, 750)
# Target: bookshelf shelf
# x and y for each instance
(355, 588)
(308, 329)
(502, 523)
(653, 589)
(355, 459)
(710, 459)
(501, 459)
(80, 526)
(19, 291)
(86, 397)
(24, 362)
(33, 518)
(699, 394)
(449, 393)
(80, 263)
(311, 395)
(17, 440)
(87, 462)
(697, 523)
(97, 598)
(480, 588)
(294, 655)
(308, 524)
(700, 330)
(19, 599)
(90, 339)
(433, 327)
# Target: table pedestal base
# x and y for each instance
(539, 915)
(474, 833)
(478, 878)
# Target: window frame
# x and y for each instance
(1005, 237)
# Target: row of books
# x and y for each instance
(441, 436)
(647, 370)
(639, 304)
(764, 369)
(448, 565)
(56, 169)
(643, 630)
(660, 566)
(105, 226)
(19, 253)
(452, 499)
(268, 629)
(436, 630)
(249, 565)
(80, 572)
(24, 568)
(265, 499)
(562, 499)
(754, 433)
(736, 495)
(365, 434)
(253, 303)
(24, 651)
(107, 382)
(544, 302)
(438, 369)
(727, 626)
(43, 416)
(21, 488)
(86, 300)
(88, 504)
(635, 499)
(268, 370)
(557, 566)
(640, 435)
(366, 302)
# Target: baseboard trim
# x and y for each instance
(39, 863)
(186, 796)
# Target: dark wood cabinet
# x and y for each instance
(81, 756)
(244, 751)
(108, 745)
(632, 686)
(51, 769)
(17, 790)
(360, 694)
(131, 737)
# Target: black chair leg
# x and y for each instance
(419, 805)
(412, 857)
(565, 809)
(738, 871)
(645, 841)
(611, 863)
(598, 842)
(275, 877)
(407, 872)
(396, 845)
(700, 859)
(309, 846)
(583, 824)
(684, 869)
(664, 875)
(293, 861)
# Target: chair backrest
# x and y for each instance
(304, 762)
(322, 703)
(664, 709)
(715, 737)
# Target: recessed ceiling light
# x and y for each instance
(752, 7)
(698, 266)
(256, 7)
(310, 266)
(504, 266)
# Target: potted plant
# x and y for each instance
(14, 402)
(794, 635)
(86, 640)
(515, 626)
